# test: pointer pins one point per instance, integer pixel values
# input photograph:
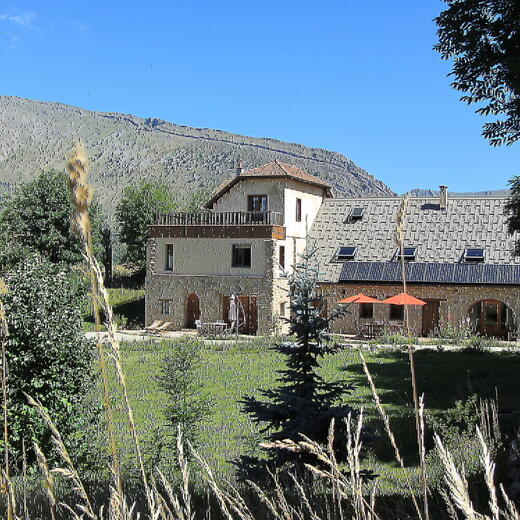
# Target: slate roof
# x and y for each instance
(274, 169)
(440, 235)
(420, 272)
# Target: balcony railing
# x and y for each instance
(226, 218)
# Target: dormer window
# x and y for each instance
(357, 213)
(474, 254)
(408, 253)
(346, 253)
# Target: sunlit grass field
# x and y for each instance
(231, 370)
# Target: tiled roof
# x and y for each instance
(280, 169)
(440, 235)
(390, 272)
(274, 169)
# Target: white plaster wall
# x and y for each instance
(294, 246)
(212, 256)
(236, 198)
(311, 197)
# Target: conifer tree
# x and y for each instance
(303, 403)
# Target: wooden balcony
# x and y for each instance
(227, 224)
(226, 218)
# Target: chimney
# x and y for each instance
(443, 197)
(239, 168)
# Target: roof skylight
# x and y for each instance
(346, 253)
(408, 253)
(357, 213)
(474, 254)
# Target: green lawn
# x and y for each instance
(231, 372)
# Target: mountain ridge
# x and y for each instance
(123, 148)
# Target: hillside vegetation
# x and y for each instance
(37, 135)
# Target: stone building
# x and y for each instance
(254, 227)
(458, 253)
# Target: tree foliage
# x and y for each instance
(136, 211)
(513, 210)
(37, 218)
(196, 201)
(187, 406)
(303, 403)
(483, 39)
(48, 356)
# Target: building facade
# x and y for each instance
(253, 230)
(457, 251)
(458, 258)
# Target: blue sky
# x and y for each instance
(359, 78)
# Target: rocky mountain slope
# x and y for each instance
(37, 135)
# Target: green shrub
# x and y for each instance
(481, 343)
(453, 333)
(48, 356)
(388, 337)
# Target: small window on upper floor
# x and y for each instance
(168, 264)
(298, 210)
(409, 253)
(474, 254)
(346, 253)
(357, 213)
(241, 256)
(257, 203)
(281, 256)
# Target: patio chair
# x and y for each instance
(166, 326)
(154, 325)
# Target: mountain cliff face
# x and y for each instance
(37, 135)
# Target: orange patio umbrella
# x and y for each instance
(403, 299)
(359, 298)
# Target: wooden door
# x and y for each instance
(253, 316)
(249, 316)
(192, 310)
(430, 317)
(492, 319)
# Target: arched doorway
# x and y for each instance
(492, 318)
(192, 310)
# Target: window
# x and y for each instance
(257, 203)
(397, 312)
(282, 310)
(168, 266)
(166, 306)
(408, 253)
(298, 210)
(346, 253)
(366, 311)
(474, 254)
(241, 256)
(357, 213)
(281, 256)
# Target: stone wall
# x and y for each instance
(455, 302)
(210, 290)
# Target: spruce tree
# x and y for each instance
(303, 402)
